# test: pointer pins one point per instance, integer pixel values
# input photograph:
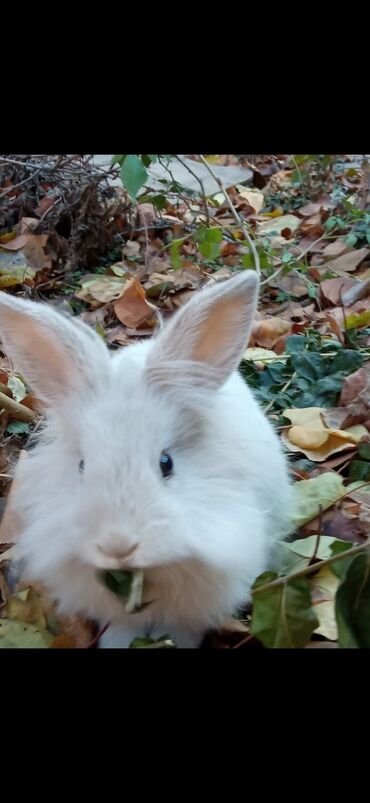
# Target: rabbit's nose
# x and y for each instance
(117, 553)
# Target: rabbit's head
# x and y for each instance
(136, 467)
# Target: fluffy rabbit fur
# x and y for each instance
(92, 495)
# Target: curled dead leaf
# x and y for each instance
(132, 308)
(268, 331)
(310, 435)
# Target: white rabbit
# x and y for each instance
(157, 457)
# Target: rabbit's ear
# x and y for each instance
(57, 356)
(209, 333)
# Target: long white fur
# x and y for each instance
(204, 533)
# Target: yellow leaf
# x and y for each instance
(278, 224)
(9, 235)
(265, 356)
(307, 437)
(323, 590)
(310, 435)
(358, 319)
(254, 198)
(21, 635)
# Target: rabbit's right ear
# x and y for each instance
(204, 342)
(57, 356)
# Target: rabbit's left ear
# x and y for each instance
(211, 331)
(56, 355)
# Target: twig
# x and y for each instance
(235, 215)
(201, 186)
(8, 190)
(312, 568)
(21, 412)
(5, 389)
(302, 254)
(283, 389)
(317, 542)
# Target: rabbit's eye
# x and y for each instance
(81, 466)
(166, 464)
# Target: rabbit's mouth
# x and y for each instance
(129, 585)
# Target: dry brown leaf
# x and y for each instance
(309, 209)
(254, 198)
(343, 417)
(333, 289)
(277, 224)
(131, 249)
(32, 246)
(347, 262)
(46, 202)
(102, 289)
(28, 225)
(146, 214)
(132, 308)
(312, 226)
(16, 244)
(309, 434)
(344, 528)
(356, 292)
(356, 387)
(290, 284)
(268, 331)
(335, 249)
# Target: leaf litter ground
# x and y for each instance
(68, 236)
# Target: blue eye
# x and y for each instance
(166, 464)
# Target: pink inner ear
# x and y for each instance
(39, 352)
(216, 331)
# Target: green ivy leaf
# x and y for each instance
(18, 428)
(176, 259)
(352, 604)
(117, 159)
(209, 242)
(133, 174)
(283, 616)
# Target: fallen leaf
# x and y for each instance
(132, 248)
(353, 604)
(254, 198)
(278, 224)
(356, 387)
(46, 202)
(103, 288)
(360, 289)
(340, 526)
(283, 616)
(265, 356)
(335, 249)
(309, 209)
(26, 606)
(308, 496)
(348, 262)
(324, 586)
(333, 289)
(132, 308)
(267, 332)
(21, 635)
(312, 226)
(15, 244)
(343, 417)
(310, 435)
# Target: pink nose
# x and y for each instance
(117, 553)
